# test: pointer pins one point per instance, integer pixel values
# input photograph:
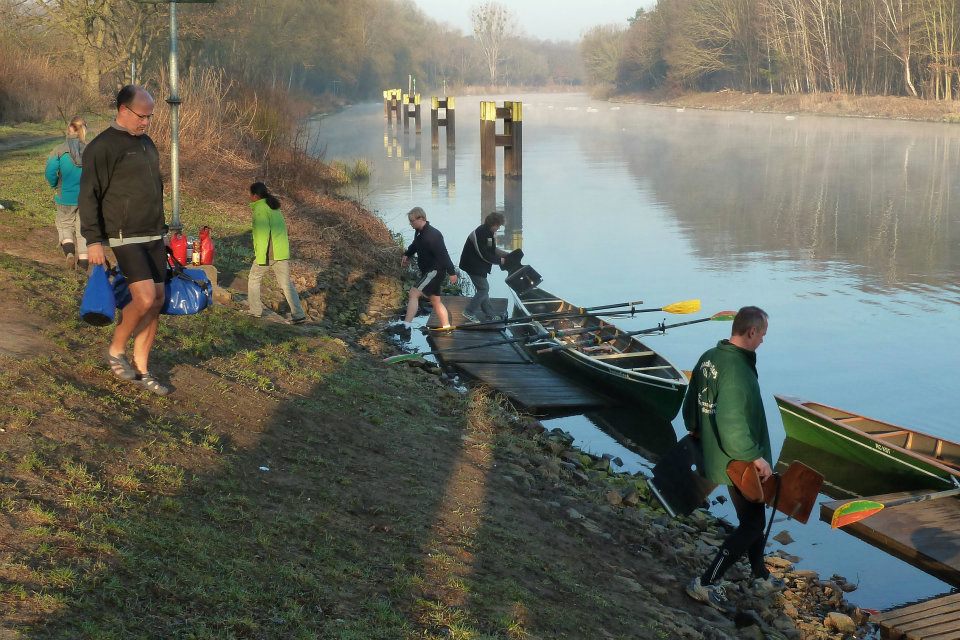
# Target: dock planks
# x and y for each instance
(937, 619)
(507, 367)
(924, 534)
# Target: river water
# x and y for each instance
(843, 230)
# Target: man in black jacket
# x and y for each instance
(479, 253)
(434, 263)
(121, 205)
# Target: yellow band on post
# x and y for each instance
(450, 102)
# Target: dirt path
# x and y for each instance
(12, 143)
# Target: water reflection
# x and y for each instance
(511, 236)
(641, 433)
(809, 189)
(404, 146)
(448, 171)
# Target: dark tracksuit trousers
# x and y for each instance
(747, 538)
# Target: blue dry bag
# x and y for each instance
(186, 291)
(98, 304)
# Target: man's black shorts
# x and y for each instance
(429, 283)
(143, 261)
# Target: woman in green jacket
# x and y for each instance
(272, 251)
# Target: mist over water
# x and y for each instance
(845, 230)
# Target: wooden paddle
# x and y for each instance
(685, 306)
(857, 510)
(720, 316)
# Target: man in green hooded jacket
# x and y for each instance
(724, 409)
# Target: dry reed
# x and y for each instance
(35, 87)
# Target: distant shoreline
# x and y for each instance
(825, 104)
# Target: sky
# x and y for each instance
(543, 19)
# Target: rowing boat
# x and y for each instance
(917, 458)
(618, 365)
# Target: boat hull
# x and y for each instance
(820, 431)
(659, 394)
(660, 398)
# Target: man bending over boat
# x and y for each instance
(479, 254)
(724, 409)
(434, 263)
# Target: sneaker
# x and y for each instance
(300, 320)
(469, 317)
(711, 594)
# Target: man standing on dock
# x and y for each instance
(434, 262)
(724, 409)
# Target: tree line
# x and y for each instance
(875, 47)
(354, 48)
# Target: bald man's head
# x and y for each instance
(134, 109)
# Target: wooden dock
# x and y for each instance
(937, 619)
(924, 534)
(507, 367)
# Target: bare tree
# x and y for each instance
(104, 34)
(601, 49)
(492, 24)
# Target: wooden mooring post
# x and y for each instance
(411, 108)
(511, 139)
(448, 121)
(391, 104)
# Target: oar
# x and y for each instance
(685, 306)
(578, 312)
(858, 510)
(720, 316)
(415, 356)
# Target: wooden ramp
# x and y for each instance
(937, 619)
(925, 534)
(507, 367)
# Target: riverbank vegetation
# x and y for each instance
(864, 47)
(62, 55)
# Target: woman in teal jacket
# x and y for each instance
(64, 166)
(271, 250)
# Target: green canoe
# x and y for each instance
(619, 366)
(919, 459)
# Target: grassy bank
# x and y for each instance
(827, 104)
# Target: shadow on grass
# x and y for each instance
(285, 490)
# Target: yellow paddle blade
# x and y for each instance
(687, 306)
(854, 512)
